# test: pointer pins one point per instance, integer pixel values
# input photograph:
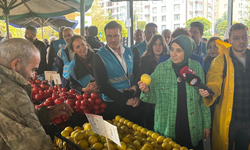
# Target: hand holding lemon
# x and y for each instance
(144, 83)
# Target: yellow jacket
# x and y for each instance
(223, 110)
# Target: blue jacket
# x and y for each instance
(202, 50)
(117, 78)
(193, 57)
(57, 45)
(84, 81)
(140, 48)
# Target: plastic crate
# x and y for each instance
(61, 143)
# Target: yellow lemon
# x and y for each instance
(111, 146)
(130, 124)
(167, 140)
(73, 133)
(86, 126)
(79, 136)
(83, 144)
(160, 139)
(155, 135)
(183, 148)
(126, 140)
(123, 146)
(144, 131)
(124, 129)
(176, 146)
(166, 146)
(97, 146)
(69, 129)
(117, 118)
(92, 139)
(77, 127)
(149, 133)
(139, 128)
(135, 126)
(125, 121)
(65, 133)
(137, 144)
(172, 143)
(145, 78)
(122, 120)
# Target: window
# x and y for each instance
(190, 16)
(240, 13)
(177, 17)
(154, 10)
(154, 19)
(198, 6)
(176, 26)
(163, 9)
(177, 7)
(191, 7)
(163, 27)
(163, 18)
(225, 5)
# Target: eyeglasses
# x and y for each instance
(212, 47)
(237, 38)
(111, 37)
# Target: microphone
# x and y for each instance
(185, 70)
(192, 79)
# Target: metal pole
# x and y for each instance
(82, 15)
(135, 19)
(7, 26)
(229, 17)
(130, 15)
(42, 31)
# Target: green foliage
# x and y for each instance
(222, 27)
(203, 20)
(140, 25)
(246, 17)
(19, 32)
(218, 21)
(207, 34)
(124, 29)
(110, 15)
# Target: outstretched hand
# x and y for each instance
(60, 110)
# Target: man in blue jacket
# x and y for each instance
(114, 71)
(196, 29)
(64, 57)
(150, 31)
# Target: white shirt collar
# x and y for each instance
(121, 48)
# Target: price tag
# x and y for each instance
(49, 75)
(57, 79)
(100, 126)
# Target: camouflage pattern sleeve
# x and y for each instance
(20, 127)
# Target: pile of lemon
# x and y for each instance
(132, 136)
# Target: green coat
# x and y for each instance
(163, 92)
(20, 126)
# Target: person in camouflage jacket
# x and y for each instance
(21, 124)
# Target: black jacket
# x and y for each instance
(42, 48)
(93, 42)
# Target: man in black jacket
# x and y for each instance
(30, 34)
(92, 39)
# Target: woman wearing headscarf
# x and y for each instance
(156, 47)
(180, 112)
(80, 68)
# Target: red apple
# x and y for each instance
(78, 103)
(79, 97)
(64, 89)
(96, 107)
(70, 102)
(38, 81)
(44, 86)
(72, 91)
(39, 97)
(85, 103)
(103, 105)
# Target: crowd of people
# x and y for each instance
(169, 105)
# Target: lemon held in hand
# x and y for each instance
(145, 78)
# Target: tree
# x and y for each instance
(203, 20)
(16, 32)
(140, 25)
(246, 15)
(222, 27)
(98, 16)
(124, 30)
(218, 21)
(47, 33)
(110, 15)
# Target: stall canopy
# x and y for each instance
(18, 9)
(54, 22)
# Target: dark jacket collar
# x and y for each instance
(79, 69)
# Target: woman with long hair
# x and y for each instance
(80, 68)
(149, 60)
(212, 52)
